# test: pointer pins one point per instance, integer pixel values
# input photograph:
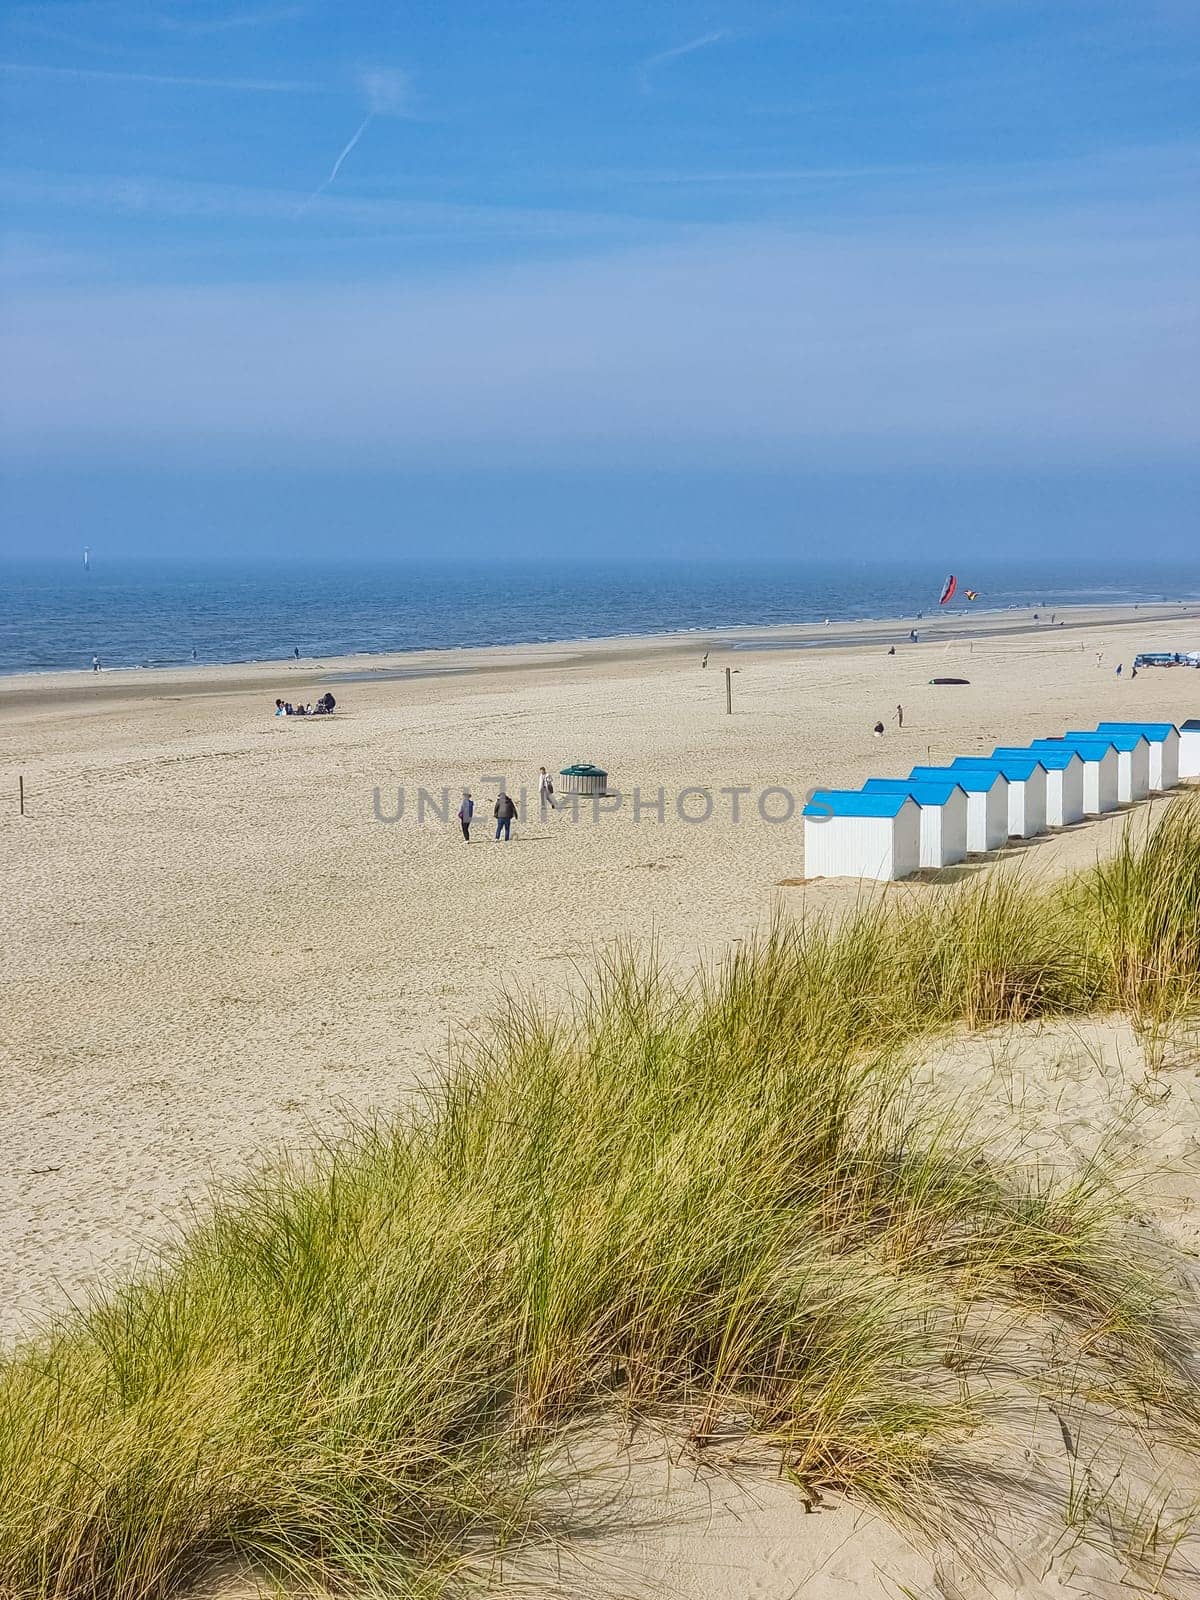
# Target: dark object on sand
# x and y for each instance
(950, 680)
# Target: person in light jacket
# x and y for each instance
(545, 790)
(505, 813)
(465, 812)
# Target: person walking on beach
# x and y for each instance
(546, 791)
(465, 812)
(95, 663)
(899, 716)
(505, 813)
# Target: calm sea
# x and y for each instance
(156, 614)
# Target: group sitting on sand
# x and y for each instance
(323, 708)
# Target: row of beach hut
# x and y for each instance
(892, 827)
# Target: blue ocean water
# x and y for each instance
(130, 614)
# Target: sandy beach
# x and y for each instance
(216, 948)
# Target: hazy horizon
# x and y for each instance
(643, 279)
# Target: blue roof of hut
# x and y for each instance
(1119, 741)
(1056, 760)
(1093, 748)
(975, 780)
(1152, 730)
(854, 803)
(1015, 768)
(934, 792)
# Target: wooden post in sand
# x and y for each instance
(728, 692)
(21, 793)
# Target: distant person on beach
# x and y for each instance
(546, 790)
(912, 635)
(891, 649)
(193, 652)
(465, 813)
(1120, 668)
(704, 663)
(95, 663)
(505, 813)
(296, 652)
(899, 716)
(878, 730)
(279, 711)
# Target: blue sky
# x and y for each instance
(600, 279)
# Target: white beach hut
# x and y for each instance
(1099, 770)
(943, 804)
(1133, 761)
(986, 789)
(1189, 748)
(1064, 782)
(1163, 739)
(850, 834)
(1026, 790)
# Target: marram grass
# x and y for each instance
(722, 1205)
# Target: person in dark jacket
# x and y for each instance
(465, 812)
(505, 813)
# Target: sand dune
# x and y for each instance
(216, 948)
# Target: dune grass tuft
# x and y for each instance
(722, 1204)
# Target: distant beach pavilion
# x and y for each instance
(943, 803)
(1163, 739)
(584, 778)
(1064, 781)
(851, 834)
(986, 789)
(1026, 790)
(1133, 761)
(1099, 770)
(1189, 748)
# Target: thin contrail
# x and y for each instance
(702, 43)
(337, 165)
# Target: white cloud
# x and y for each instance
(387, 91)
(188, 200)
(1067, 339)
(236, 85)
(268, 17)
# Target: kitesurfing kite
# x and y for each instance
(948, 588)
